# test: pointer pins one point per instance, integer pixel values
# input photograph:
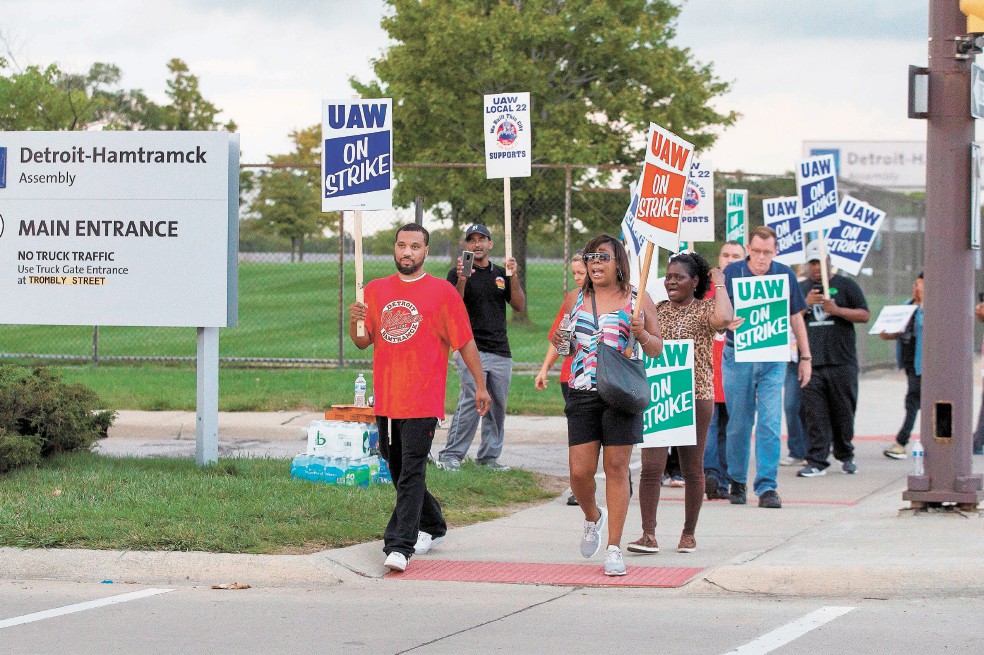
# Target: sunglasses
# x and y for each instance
(600, 256)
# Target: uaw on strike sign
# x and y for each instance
(670, 419)
(763, 301)
(357, 158)
(664, 183)
(119, 228)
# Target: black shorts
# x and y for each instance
(590, 419)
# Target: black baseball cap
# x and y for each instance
(478, 228)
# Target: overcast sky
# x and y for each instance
(800, 70)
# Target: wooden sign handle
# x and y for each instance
(360, 293)
(507, 216)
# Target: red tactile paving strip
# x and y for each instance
(575, 575)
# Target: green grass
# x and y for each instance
(83, 500)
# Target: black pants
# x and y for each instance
(827, 407)
(913, 397)
(406, 450)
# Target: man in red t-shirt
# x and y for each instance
(413, 320)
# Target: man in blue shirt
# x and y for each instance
(753, 390)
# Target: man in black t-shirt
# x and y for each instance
(830, 399)
(486, 292)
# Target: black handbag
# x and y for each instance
(621, 380)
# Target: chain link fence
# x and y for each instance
(295, 285)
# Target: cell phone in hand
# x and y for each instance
(467, 263)
(980, 297)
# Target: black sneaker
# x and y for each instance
(810, 471)
(770, 500)
(737, 493)
(849, 467)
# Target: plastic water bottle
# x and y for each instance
(299, 467)
(566, 331)
(335, 470)
(917, 458)
(360, 391)
(384, 476)
(316, 468)
(358, 474)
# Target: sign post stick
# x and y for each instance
(507, 216)
(647, 260)
(824, 273)
(360, 294)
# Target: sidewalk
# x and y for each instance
(836, 535)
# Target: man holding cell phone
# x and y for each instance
(486, 290)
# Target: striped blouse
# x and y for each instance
(614, 331)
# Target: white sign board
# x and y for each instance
(887, 164)
(763, 302)
(508, 135)
(850, 241)
(119, 228)
(662, 187)
(357, 155)
(816, 187)
(976, 91)
(698, 203)
(670, 419)
(782, 215)
(892, 319)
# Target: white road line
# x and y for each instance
(81, 607)
(787, 633)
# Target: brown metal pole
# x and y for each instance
(948, 329)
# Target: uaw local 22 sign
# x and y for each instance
(816, 186)
(508, 136)
(763, 301)
(670, 419)
(119, 228)
(848, 243)
(782, 215)
(664, 183)
(698, 203)
(357, 157)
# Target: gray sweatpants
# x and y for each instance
(498, 372)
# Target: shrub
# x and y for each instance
(40, 412)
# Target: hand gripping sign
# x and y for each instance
(670, 419)
(850, 241)
(782, 215)
(763, 301)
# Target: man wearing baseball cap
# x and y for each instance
(486, 291)
(829, 401)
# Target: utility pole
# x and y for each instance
(948, 328)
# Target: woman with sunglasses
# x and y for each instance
(686, 315)
(601, 311)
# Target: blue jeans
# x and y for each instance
(715, 463)
(753, 391)
(796, 439)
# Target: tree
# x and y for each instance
(288, 202)
(188, 109)
(598, 73)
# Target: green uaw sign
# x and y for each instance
(736, 215)
(670, 419)
(763, 302)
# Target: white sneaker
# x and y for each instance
(396, 562)
(791, 461)
(591, 541)
(613, 561)
(425, 542)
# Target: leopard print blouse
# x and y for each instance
(693, 322)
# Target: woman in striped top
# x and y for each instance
(602, 311)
